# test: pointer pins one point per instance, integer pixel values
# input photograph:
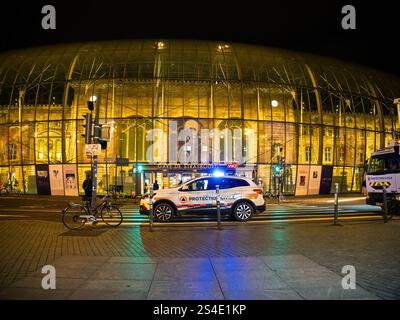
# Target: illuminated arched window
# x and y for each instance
(58, 150)
(40, 149)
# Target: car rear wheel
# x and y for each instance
(163, 212)
(243, 211)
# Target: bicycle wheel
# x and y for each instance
(111, 216)
(71, 217)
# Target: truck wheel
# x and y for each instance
(163, 212)
(243, 211)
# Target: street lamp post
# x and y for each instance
(96, 140)
(151, 213)
(218, 199)
(397, 102)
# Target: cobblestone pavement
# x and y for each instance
(319, 251)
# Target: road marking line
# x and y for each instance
(203, 223)
(12, 215)
(347, 200)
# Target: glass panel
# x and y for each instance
(28, 143)
(3, 113)
(347, 180)
(56, 101)
(235, 102)
(360, 148)
(265, 142)
(30, 180)
(278, 140)
(41, 142)
(277, 103)
(340, 146)
(82, 170)
(42, 112)
(129, 101)
(358, 179)
(71, 139)
(173, 101)
(14, 145)
(350, 147)
(337, 177)
(370, 143)
(4, 145)
(265, 104)
(359, 112)
(250, 103)
(16, 178)
(221, 101)
(328, 145)
(290, 151)
(55, 151)
(204, 100)
(190, 101)
(306, 148)
(326, 101)
(29, 112)
(4, 176)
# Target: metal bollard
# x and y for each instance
(385, 205)
(218, 198)
(151, 217)
(336, 208)
(279, 190)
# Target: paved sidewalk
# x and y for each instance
(266, 261)
(290, 277)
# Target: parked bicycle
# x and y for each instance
(76, 215)
(6, 189)
(270, 195)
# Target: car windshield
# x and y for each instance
(197, 185)
(384, 164)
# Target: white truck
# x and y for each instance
(383, 171)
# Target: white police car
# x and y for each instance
(240, 197)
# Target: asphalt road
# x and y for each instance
(291, 209)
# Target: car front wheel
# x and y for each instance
(243, 211)
(163, 212)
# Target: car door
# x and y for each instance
(226, 190)
(197, 196)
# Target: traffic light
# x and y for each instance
(90, 105)
(88, 128)
(97, 132)
(277, 169)
(139, 168)
(103, 144)
(98, 136)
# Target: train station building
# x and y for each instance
(172, 110)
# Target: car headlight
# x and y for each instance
(147, 195)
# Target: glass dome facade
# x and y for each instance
(313, 112)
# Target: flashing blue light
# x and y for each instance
(218, 173)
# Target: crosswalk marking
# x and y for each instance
(132, 215)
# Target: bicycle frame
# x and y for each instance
(86, 214)
(99, 205)
(90, 212)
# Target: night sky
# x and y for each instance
(309, 26)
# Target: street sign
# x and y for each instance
(124, 162)
(232, 165)
(93, 149)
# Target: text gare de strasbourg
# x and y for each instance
(192, 138)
